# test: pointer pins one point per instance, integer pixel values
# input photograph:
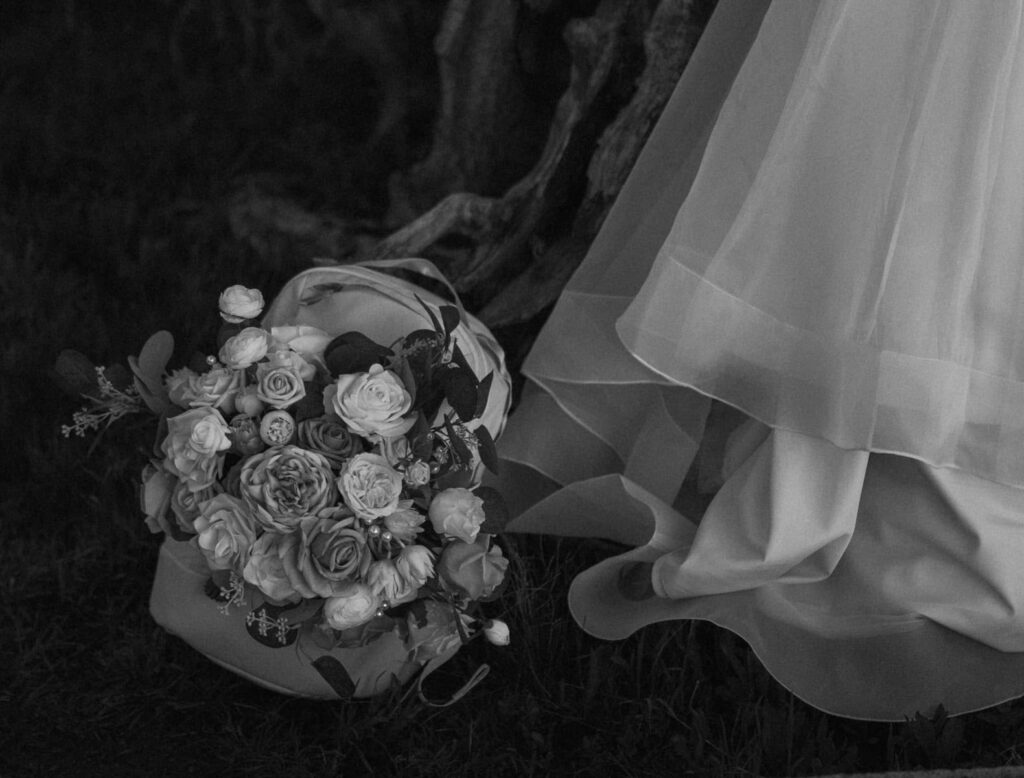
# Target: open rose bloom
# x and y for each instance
(307, 556)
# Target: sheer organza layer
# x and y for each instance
(848, 261)
(823, 231)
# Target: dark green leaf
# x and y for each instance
(450, 317)
(353, 352)
(486, 448)
(228, 330)
(460, 389)
(483, 391)
(334, 672)
(460, 359)
(430, 313)
(311, 406)
(495, 510)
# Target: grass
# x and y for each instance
(122, 142)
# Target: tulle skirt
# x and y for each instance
(807, 302)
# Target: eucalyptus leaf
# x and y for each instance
(486, 448)
(334, 672)
(76, 374)
(460, 389)
(450, 316)
(353, 352)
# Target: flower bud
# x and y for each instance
(496, 631)
(237, 303)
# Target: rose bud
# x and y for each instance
(416, 564)
(496, 631)
(457, 513)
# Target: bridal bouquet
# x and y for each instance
(317, 480)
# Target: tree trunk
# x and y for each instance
(544, 106)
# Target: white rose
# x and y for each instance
(457, 513)
(237, 303)
(244, 349)
(371, 404)
(353, 607)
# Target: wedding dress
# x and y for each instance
(808, 302)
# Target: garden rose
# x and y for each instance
(353, 606)
(371, 404)
(244, 349)
(279, 384)
(217, 387)
(266, 571)
(226, 530)
(237, 303)
(370, 486)
(193, 445)
(416, 564)
(473, 568)
(330, 438)
(277, 428)
(457, 513)
(385, 579)
(245, 436)
(289, 482)
(329, 555)
(404, 523)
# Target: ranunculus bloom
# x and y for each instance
(371, 404)
(277, 428)
(330, 438)
(217, 387)
(266, 571)
(244, 349)
(185, 504)
(417, 473)
(157, 486)
(404, 523)
(473, 568)
(193, 445)
(290, 483)
(237, 303)
(416, 564)
(226, 530)
(457, 513)
(245, 436)
(353, 606)
(328, 556)
(279, 384)
(371, 487)
(386, 580)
